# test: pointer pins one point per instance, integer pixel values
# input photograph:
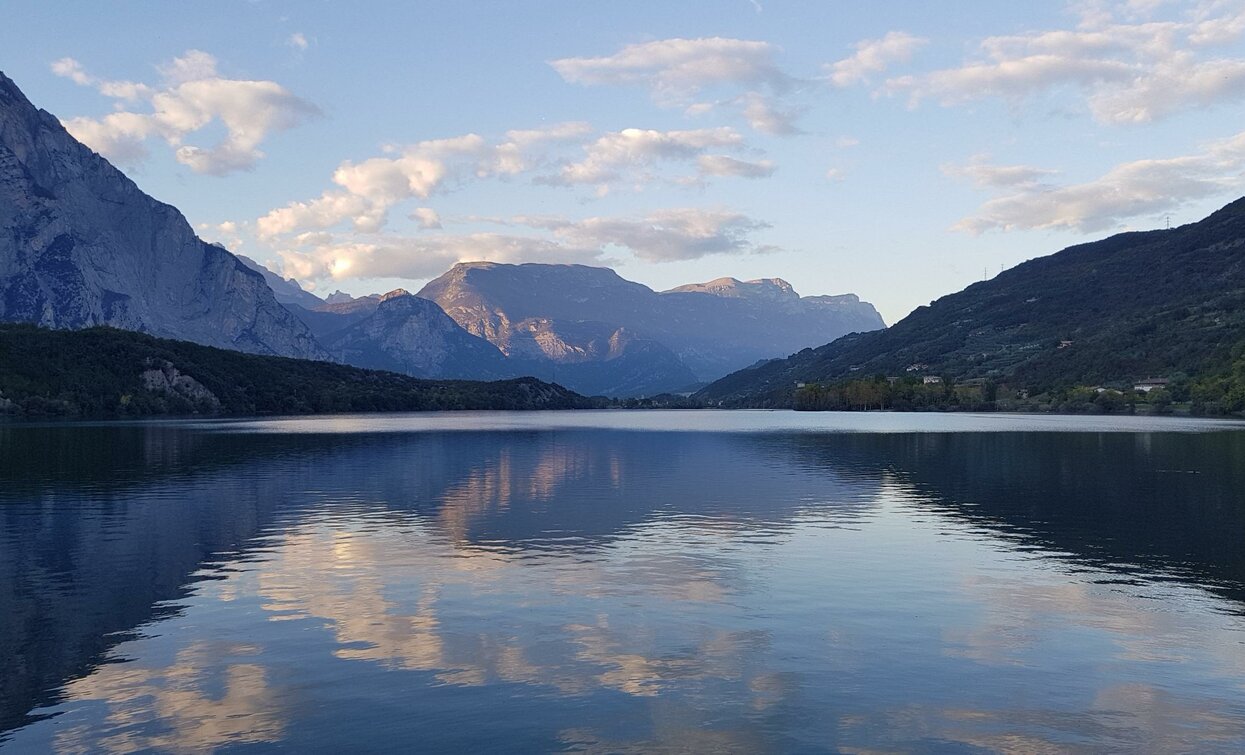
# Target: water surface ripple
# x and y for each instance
(624, 581)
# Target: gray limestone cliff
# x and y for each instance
(413, 336)
(82, 245)
(561, 312)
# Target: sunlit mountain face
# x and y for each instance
(614, 581)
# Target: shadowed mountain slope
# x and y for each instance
(1135, 305)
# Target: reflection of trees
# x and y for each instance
(1140, 505)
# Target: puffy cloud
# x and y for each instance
(298, 41)
(1171, 86)
(326, 211)
(613, 154)
(370, 188)
(193, 96)
(766, 115)
(676, 71)
(521, 149)
(194, 65)
(121, 137)
(1134, 189)
(419, 257)
(873, 56)
(227, 233)
(662, 236)
(1128, 72)
(678, 68)
(367, 190)
(986, 175)
(72, 70)
(427, 218)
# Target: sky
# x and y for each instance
(899, 150)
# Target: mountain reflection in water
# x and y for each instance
(184, 587)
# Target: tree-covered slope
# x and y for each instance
(103, 372)
(1136, 305)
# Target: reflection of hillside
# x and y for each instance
(1134, 504)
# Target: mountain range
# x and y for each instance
(81, 245)
(1165, 304)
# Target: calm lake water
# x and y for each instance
(615, 582)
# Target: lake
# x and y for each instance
(624, 581)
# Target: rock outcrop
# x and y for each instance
(557, 312)
(82, 245)
(414, 336)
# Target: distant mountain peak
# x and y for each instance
(774, 288)
(578, 314)
(338, 297)
(394, 294)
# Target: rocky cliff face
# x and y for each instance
(413, 336)
(82, 245)
(536, 311)
(286, 290)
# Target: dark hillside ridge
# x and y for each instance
(106, 373)
(1136, 305)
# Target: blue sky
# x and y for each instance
(899, 152)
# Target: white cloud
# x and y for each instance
(662, 236)
(874, 56)
(326, 211)
(984, 174)
(765, 114)
(1130, 190)
(427, 218)
(521, 149)
(419, 257)
(1127, 72)
(298, 41)
(677, 71)
(723, 165)
(619, 154)
(227, 233)
(846, 142)
(192, 97)
(71, 69)
(674, 69)
(367, 190)
(194, 65)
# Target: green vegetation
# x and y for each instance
(100, 373)
(1158, 304)
(1212, 396)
